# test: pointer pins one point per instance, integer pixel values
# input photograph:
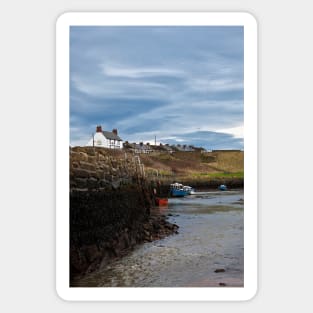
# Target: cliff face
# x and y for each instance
(110, 205)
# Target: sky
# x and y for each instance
(180, 85)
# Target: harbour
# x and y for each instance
(207, 251)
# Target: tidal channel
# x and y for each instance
(208, 250)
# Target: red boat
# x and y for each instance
(161, 201)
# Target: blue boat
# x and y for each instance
(222, 187)
(178, 193)
(179, 190)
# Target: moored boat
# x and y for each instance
(161, 201)
(179, 190)
(222, 187)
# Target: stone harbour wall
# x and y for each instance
(95, 168)
(110, 203)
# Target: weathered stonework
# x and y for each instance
(110, 205)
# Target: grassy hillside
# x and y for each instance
(195, 166)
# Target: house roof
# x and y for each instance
(111, 135)
(157, 148)
(139, 146)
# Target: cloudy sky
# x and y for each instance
(183, 85)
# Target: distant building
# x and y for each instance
(105, 139)
(167, 148)
(184, 148)
(138, 148)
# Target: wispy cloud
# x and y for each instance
(171, 82)
(119, 89)
(215, 85)
(236, 132)
(144, 72)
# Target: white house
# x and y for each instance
(105, 139)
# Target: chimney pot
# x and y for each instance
(99, 129)
(114, 131)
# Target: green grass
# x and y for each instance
(195, 165)
(218, 175)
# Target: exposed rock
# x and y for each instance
(87, 166)
(219, 270)
(116, 183)
(81, 182)
(92, 182)
(92, 159)
(80, 173)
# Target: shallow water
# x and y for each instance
(210, 238)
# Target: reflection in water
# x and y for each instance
(210, 238)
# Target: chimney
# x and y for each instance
(99, 129)
(114, 131)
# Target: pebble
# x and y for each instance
(219, 270)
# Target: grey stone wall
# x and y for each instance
(110, 205)
(94, 168)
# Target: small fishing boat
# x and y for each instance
(161, 201)
(222, 187)
(179, 190)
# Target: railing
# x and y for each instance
(140, 168)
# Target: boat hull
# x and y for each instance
(161, 201)
(179, 193)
